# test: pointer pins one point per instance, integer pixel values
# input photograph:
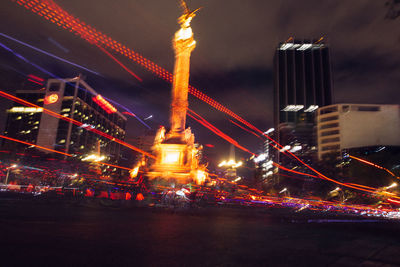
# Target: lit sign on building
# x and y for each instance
(51, 99)
(104, 104)
(25, 110)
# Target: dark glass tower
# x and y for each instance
(303, 81)
(302, 84)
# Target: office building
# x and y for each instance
(302, 83)
(72, 98)
(344, 127)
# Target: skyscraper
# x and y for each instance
(303, 82)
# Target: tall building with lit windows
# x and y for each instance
(72, 98)
(302, 83)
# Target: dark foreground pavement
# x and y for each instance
(39, 233)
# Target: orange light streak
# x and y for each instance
(48, 9)
(55, 151)
(30, 144)
(78, 123)
(375, 165)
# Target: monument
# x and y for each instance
(177, 155)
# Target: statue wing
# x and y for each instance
(185, 7)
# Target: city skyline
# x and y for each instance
(236, 71)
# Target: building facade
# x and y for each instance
(351, 126)
(72, 98)
(302, 83)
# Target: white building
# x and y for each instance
(345, 126)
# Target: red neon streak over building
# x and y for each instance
(104, 104)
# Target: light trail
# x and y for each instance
(26, 60)
(247, 130)
(54, 13)
(54, 76)
(55, 151)
(49, 10)
(48, 54)
(78, 123)
(215, 130)
(293, 171)
(30, 144)
(120, 63)
(128, 111)
(374, 165)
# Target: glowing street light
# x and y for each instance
(391, 186)
(94, 158)
(230, 164)
(13, 166)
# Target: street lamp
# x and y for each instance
(8, 171)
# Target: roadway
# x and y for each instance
(65, 233)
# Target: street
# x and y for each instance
(39, 233)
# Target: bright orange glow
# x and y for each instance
(201, 177)
(171, 157)
(49, 10)
(104, 104)
(139, 197)
(52, 12)
(51, 99)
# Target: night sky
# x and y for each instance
(232, 62)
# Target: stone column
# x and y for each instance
(183, 45)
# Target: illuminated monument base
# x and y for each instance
(177, 159)
(177, 156)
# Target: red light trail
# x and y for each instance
(30, 144)
(104, 104)
(54, 13)
(374, 165)
(120, 63)
(33, 81)
(78, 123)
(215, 130)
(55, 151)
(49, 10)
